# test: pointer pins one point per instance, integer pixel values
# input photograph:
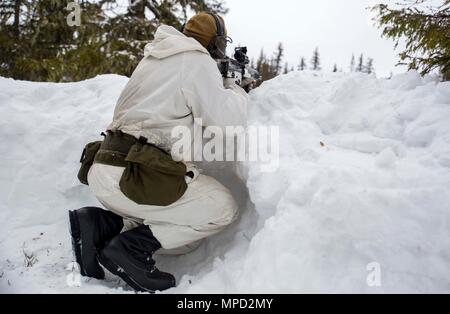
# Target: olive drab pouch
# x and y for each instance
(87, 160)
(152, 177)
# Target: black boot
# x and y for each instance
(91, 228)
(129, 256)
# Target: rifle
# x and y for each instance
(239, 69)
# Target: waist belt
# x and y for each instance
(116, 146)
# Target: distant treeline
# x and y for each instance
(270, 67)
(55, 40)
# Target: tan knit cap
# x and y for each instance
(202, 27)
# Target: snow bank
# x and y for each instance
(363, 181)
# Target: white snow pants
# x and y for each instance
(206, 208)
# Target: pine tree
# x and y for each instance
(302, 64)
(260, 61)
(315, 62)
(273, 69)
(266, 72)
(34, 43)
(263, 67)
(360, 66)
(286, 68)
(425, 25)
(368, 68)
(278, 59)
(352, 63)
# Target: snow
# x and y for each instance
(363, 180)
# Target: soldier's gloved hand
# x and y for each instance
(229, 82)
(192, 172)
(248, 83)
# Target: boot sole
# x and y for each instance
(76, 239)
(116, 270)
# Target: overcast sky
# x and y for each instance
(338, 28)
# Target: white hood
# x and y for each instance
(169, 41)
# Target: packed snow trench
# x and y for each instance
(360, 201)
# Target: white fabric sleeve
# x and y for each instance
(206, 96)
